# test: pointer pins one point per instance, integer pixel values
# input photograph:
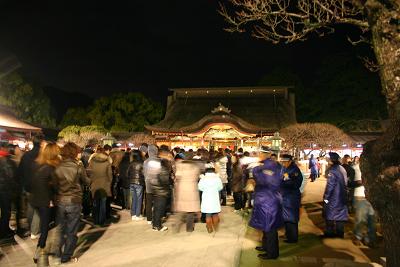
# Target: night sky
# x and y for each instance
(147, 46)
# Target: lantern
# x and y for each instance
(276, 142)
(108, 140)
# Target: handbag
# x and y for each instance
(250, 185)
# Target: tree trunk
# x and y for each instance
(381, 158)
(381, 177)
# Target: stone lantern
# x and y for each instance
(108, 139)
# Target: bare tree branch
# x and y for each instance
(289, 21)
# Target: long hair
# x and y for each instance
(50, 155)
(70, 151)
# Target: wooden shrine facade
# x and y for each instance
(224, 117)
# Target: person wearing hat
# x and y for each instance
(291, 197)
(267, 212)
(335, 198)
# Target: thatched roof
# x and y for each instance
(251, 109)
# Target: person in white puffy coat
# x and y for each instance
(210, 184)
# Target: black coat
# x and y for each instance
(123, 171)
(162, 184)
(42, 191)
(350, 175)
(69, 179)
(135, 173)
(26, 167)
(8, 185)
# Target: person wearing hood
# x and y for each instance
(335, 198)
(100, 173)
(70, 177)
(161, 188)
(150, 171)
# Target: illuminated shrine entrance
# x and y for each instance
(215, 136)
(214, 118)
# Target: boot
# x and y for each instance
(43, 259)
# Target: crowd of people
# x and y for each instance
(52, 185)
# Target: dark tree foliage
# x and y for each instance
(342, 92)
(29, 103)
(119, 112)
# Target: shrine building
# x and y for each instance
(224, 117)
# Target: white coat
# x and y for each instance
(210, 184)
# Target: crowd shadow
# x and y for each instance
(89, 233)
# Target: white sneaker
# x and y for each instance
(164, 228)
(148, 222)
(140, 218)
(33, 237)
(134, 218)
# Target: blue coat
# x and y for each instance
(336, 195)
(291, 195)
(313, 166)
(267, 212)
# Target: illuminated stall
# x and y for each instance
(15, 131)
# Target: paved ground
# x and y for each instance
(311, 251)
(127, 243)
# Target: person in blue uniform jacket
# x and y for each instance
(290, 190)
(313, 166)
(267, 212)
(335, 198)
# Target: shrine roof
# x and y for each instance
(250, 109)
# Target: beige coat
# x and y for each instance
(187, 198)
(100, 173)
